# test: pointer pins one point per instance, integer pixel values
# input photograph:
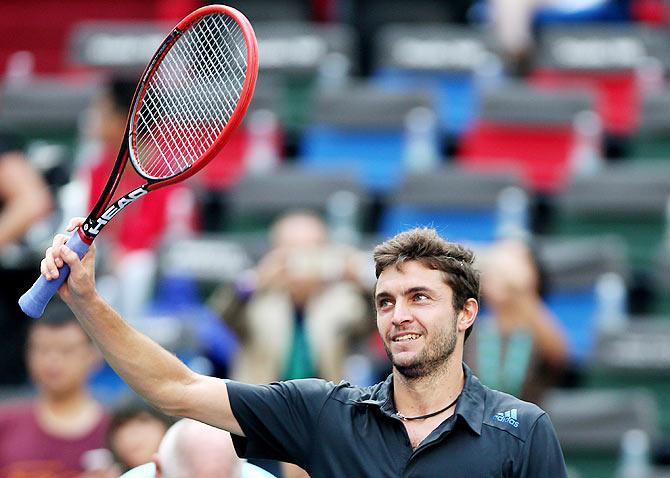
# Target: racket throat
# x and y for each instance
(94, 225)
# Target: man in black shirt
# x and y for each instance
(431, 417)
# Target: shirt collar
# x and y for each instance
(470, 405)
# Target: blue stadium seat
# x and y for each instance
(573, 268)
(362, 129)
(464, 206)
(446, 60)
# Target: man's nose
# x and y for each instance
(401, 313)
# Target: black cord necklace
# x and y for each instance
(422, 417)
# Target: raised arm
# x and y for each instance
(25, 196)
(153, 372)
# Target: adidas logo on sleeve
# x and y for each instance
(509, 416)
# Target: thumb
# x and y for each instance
(70, 257)
(77, 270)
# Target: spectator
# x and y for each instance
(191, 449)
(25, 199)
(519, 346)
(307, 304)
(135, 432)
(130, 239)
(512, 23)
(55, 434)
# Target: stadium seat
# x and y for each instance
(298, 58)
(257, 145)
(444, 59)
(363, 128)
(608, 59)
(660, 275)
(590, 425)
(112, 45)
(369, 16)
(462, 205)
(636, 357)
(651, 140)
(271, 10)
(528, 130)
(573, 268)
(628, 200)
(43, 30)
(44, 105)
(258, 199)
(46, 114)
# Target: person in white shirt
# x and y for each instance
(191, 449)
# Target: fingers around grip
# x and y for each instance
(74, 223)
(48, 266)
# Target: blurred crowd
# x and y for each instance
(553, 170)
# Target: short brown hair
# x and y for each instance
(424, 245)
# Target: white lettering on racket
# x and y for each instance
(112, 210)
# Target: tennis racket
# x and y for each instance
(190, 98)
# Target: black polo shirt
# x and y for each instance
(345, 431)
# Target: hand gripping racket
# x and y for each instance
(191, 97)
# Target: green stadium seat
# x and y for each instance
(651, 140)
(590, 424)
(258, 199)
(661, 281)
(636, 357)
(628, 200)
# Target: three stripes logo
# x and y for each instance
(507, 417)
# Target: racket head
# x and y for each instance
(192, 95)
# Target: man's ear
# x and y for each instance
(157, 462)
(468, 314)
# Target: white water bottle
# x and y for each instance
(513, 217)
(421, 140)
(586, 158)
(342, 211)
(635, 460)
(262, 155)
(612, 303)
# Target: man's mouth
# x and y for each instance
(406, 337)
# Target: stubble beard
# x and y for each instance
(433, 357)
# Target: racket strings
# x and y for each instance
(190, 97)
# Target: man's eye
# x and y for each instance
(382, 304)
(420, 297)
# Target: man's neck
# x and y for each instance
(423, 395)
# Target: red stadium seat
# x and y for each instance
(541, 153)
(611, 60)
(617, 99)
(528, 131)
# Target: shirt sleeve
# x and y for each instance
(279, 420)
(543, 454)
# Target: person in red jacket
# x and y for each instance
(130, 240)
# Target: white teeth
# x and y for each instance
(405, 338)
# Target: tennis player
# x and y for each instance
(430, 417)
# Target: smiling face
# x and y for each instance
(416, 318)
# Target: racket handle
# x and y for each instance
(34, 301)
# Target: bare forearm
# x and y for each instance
(24, 194)
(548, 337)
(153, 372)
(18, 217)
